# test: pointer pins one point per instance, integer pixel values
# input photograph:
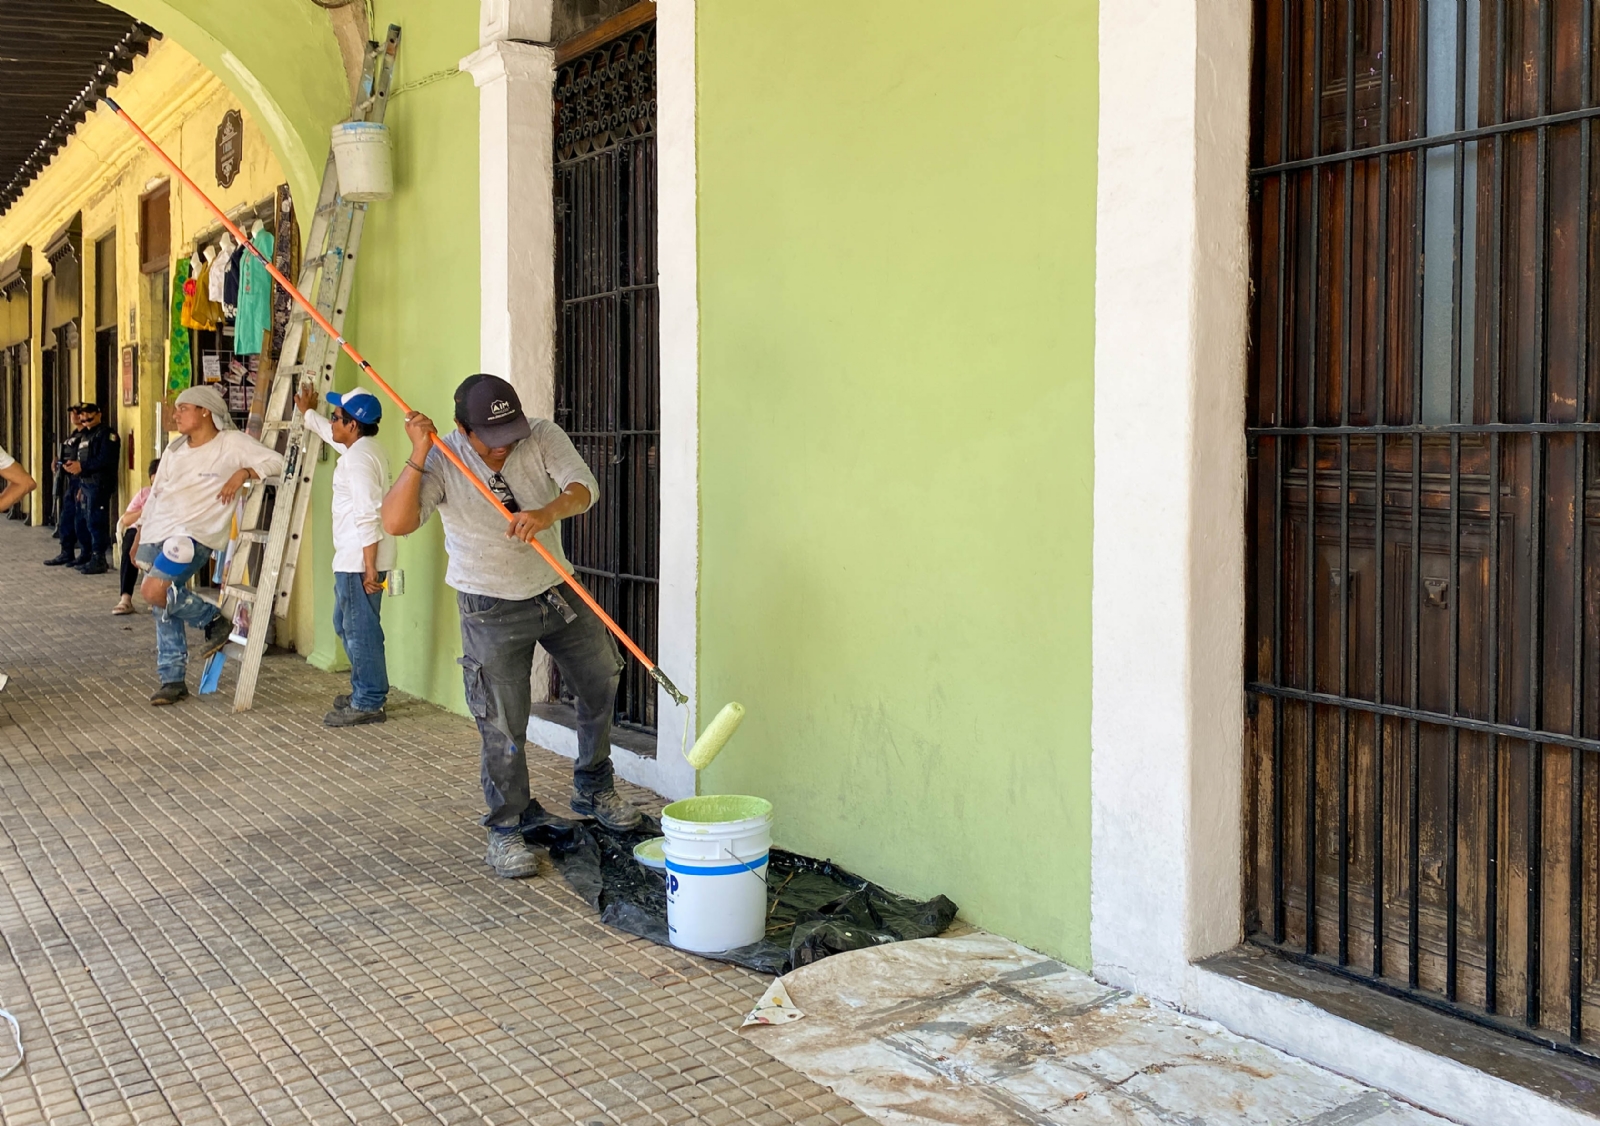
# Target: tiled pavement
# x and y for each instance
(208, 917)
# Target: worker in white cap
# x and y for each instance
(187, 519)
(363, 553)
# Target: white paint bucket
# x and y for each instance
(716, 850)
(361, 152)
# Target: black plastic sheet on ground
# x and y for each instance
(814, 908)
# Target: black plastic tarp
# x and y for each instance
(814, 908)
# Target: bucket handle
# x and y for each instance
(745, 864)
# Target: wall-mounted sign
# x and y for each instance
(130, 375)
(230, 147)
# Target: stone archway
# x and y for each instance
(279, 57)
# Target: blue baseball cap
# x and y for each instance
(363, 406)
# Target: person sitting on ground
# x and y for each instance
(66, 495)
(510, 600)
(363, 553)
(18, 481)
(99, 453)
(128, 532)
(187, 518)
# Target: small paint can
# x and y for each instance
(395, 585)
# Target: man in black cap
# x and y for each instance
(66, 494)
(96, 469)
(510, 599)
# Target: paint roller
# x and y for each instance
(715, 736)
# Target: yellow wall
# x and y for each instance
(102, 171)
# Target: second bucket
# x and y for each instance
(716, 849)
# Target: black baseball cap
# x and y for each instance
(488, 406)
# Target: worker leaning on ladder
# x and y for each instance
(363, 553)
(188, 518)
(511, 600)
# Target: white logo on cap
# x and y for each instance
(498, 408)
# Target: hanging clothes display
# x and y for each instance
(226, 248)
(180, 368)
(255, 297)
(199, 310)
(230, 281)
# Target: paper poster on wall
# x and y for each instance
(129, 375)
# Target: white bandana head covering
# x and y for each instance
(209, 398)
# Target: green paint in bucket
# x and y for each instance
(715, 808)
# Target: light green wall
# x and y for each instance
(415, 308)
(896, 223)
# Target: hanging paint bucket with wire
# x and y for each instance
(716, 851)
(361, 152)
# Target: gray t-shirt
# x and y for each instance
(482, 559)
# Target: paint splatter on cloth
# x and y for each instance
(814, 907)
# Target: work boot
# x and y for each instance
(62, 559)
(607, 807)
(346, 716)
(342, 700)
(510, 856)
(217, 631)
(169, 693)
(96, 565)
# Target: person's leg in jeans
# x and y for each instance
(497, 640)
(92, 527)
(67, 524)
(357, 621)
(592, 667)
(182, 608)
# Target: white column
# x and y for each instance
(516, 223)
(1168, 604)
(680, 388)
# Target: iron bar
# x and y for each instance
(1279, 415)
(1414, 778)
(1380, 544)
(1425, 430)
(1464, 136)
(1346, 582)
(1580, 451)
(1312, 405)
(1491, 939)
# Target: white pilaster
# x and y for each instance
(1170, 301)
(680, 388)
(516, 222)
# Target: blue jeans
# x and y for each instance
(356, 619)
(184, 608)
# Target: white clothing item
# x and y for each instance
(6, 460)
(183, 497)
(219, 267)
(360, 478)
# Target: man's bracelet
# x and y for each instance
(415, 466)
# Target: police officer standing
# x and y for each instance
(96, 467)
(67, 494)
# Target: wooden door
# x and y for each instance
(1424, 513)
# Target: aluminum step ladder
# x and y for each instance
(259, 572)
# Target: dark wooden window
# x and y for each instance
(1424, 507)
(608, 380)
(155, 230)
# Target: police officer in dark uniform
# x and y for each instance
(98, 450)
(67, 495)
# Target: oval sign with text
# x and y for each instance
(230, 147)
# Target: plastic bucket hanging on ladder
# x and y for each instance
(716, 849)
(361, 152)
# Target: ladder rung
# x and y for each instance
(255, 535)
(275, 481)
(242, 593)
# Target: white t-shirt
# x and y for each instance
(6, 460)
(183, 497)
(359, 481)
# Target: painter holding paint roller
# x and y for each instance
(716, 735)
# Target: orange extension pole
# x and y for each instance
(371, 372)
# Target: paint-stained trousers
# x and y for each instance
(498, 636)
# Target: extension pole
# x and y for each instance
(438, 443)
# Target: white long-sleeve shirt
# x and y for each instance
(183, 497)
(359, 481)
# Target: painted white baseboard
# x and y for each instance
(1433, 1082)
(641, 771)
